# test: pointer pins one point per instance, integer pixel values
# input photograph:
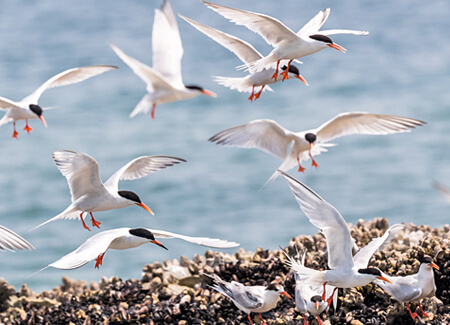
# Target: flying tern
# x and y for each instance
(9, 240)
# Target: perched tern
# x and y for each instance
(164, 81)
(287, 44)
(246, 53)
(28, 108)
(88, 192)
(412, 288)
(250, 299)
(345, 270)
(9, 240)
(269, 136)
(124, 238)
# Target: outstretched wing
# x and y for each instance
(6, 103)
(312, 27)
(204, 241)
(9, 240)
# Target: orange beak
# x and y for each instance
(337, 47)
(302, 79)
(311, 145)
(159, 244)
(43, 121)
(384, 279)
(317, 305)
(284, 293)
(143, 206)
(209, 93)
(434, 266)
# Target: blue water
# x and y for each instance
(401, 68)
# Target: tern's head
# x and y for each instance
(277, 288)
(373, 272)
(146, 234)
(326, 41)
(134, 198)
(310, 137)
(36, 109)
(294, 72)
(428, 261)
(200, 90)
(316, 300)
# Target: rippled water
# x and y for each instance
(401, 68)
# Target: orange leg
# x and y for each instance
(301, 170)
(95, 223)
(285, 72)
(324, 292)
(330, 298)
(27, 127)
(250, 319)
(305, 320)
(413, 315)
(262, 320)
(275, 75)
(252, 95)
(259, 93)
(319, 320)
(99, 260)
(313, 164)
(153, 111)
(15, 133)
(424, 314)
(84, 224)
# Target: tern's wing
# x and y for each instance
(343, 31)
(265, 135)
(89, 250)
(6, 103)
(403, 288)
(166, 45)
(272, 30)
(67, 77)
(151, 77)
(364, 123)
(325, 217)
(444, 190)
(312, 27)
(204, 241)
(361, 259)
(81, 172)
(242, 49)
(9, 240)
(140, 167)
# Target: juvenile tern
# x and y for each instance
(88, 192)
(287, 44)
(294, 147)
(250, 299)
(412, 288)
(246, 53)
(164, 81)
(28, 108)
(9, 240)
(96, 246)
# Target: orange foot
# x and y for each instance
(95, 223)
(84, 224)
(330, 298)
(285, 75)
(27, 128)
(301, 169)
(99, 260)
(275, 75)
(424, 314)
(413, 315)
(15, 134)
(251, 97)
(314, 164)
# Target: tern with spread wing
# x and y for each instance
(164, 81)
(287, 44)
(250, 299)
(88, 192)
(124, 238)
(246, 53)
(345, 270)
(412, 288)
(9, 240)
(294, 147)
(28, 108)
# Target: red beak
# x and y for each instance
(43, 121)
(302, 79)
(209, 93)
(434, 266)
(284, 293)
(143, 206)
(337, 47)
(384, 279)
(159, 244)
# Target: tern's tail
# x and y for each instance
(143, 106)
(70, 213)
(242, 85)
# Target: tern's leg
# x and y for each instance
(305, 320)
(302, 169)
(250, 319)
(313, 164)
(253, 94)
(424, 314)
(262, 320)
(413, 315)
(153, 111)
(285, 72)
(27, 127)
(99, 260)
(324, 292)
(259, 93)
(275, 75)
(319, 320)
(95, 223)
(15, 133)
(84, 224)
(330, 298)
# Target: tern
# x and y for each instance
(250, 299)
(294, 147)
(412, 288)
(246, 53)
(9, 240)
(444, 190)
(88, 192)
(345, 270)
(28, 108)
(164, 81)
(96, 246)
(287, 44)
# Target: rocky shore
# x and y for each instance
(175, 292)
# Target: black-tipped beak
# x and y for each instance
(159, 244)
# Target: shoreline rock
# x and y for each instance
(174, 292)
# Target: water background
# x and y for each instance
(402, 68)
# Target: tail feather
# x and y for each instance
(69, 214)
(143, 106)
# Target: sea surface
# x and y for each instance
(402, 68)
